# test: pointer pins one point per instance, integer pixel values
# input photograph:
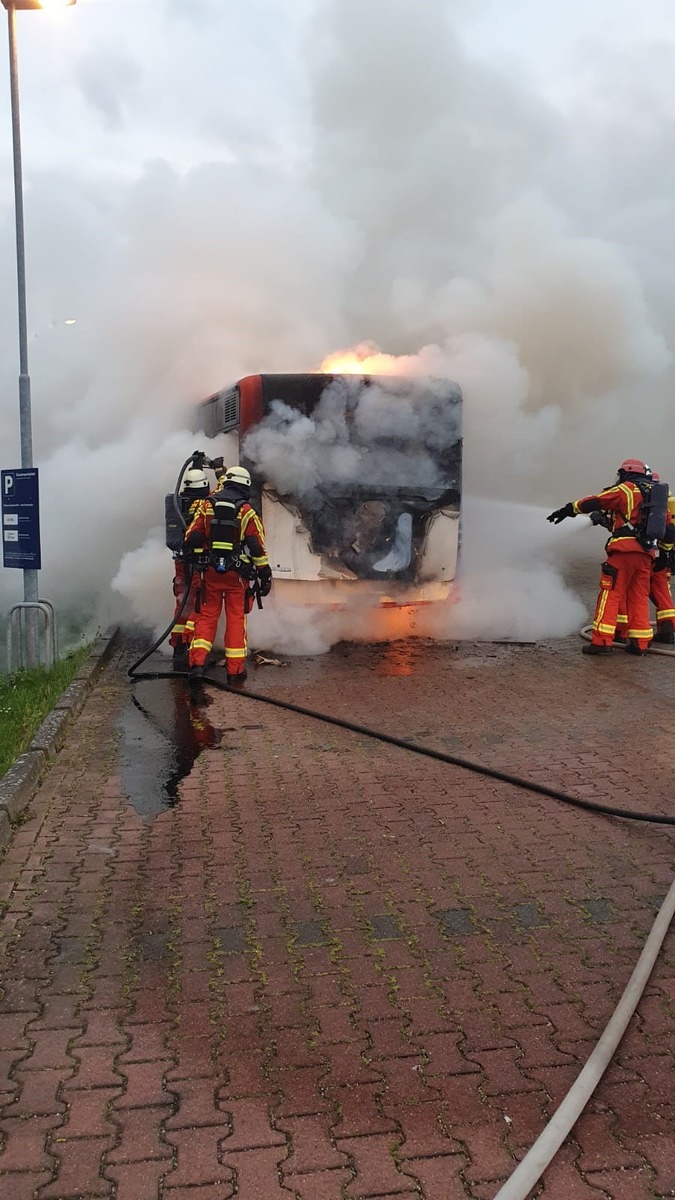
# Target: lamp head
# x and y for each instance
(20, 5)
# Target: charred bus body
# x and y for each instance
(357, 478)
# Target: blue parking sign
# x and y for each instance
(21, 519)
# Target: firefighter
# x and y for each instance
(659, 592)
(195, 489)
(626, 574)
(228, 535)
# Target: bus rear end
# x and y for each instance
(357, 479)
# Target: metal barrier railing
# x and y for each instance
(19, 633)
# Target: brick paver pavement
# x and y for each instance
(317, 967)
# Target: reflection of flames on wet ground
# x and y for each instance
(398, 658)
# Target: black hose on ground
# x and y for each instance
(452, 759)
(654, 647)
(163, 636)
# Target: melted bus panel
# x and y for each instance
(390, 530)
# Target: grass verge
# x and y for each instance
(26, 698)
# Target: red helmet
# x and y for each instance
(656, 478)
(634, 466)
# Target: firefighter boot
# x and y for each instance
(235, 680)
(664, 634)
(633, 648)
(596, 648)
(180, 656)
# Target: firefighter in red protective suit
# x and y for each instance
(626, 575)
(659, 592)
(226, 533)
(195, 489)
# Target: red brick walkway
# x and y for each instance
(333, 969)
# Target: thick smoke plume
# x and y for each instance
(422, 200)
(384, 434)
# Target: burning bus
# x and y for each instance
(357, 479)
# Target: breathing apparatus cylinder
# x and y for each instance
(174, 522)
(655, 513)
(177, 508)
(191, 484)
(225, 543)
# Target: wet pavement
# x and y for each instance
(163, 730)
(248, 954)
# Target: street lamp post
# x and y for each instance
(30, 578)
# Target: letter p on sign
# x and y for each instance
(9, 484)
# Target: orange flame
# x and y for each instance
(364, 359)
(394, 621)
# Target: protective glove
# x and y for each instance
(217, 464)
(599, 518)
(195, 540)
(662, 562)
(560, 513)
(265, 580)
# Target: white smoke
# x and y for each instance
(297, 453)
(510, 583)
(434, 204)
(145, 577)
(347, 439)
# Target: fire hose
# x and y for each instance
(587, 631)
(453, 760)
(532, 1166)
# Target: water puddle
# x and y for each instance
(163, 730)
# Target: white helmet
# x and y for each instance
(238, 475)
(195, 481)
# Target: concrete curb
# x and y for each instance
(20, 783)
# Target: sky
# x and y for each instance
(213, 189)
